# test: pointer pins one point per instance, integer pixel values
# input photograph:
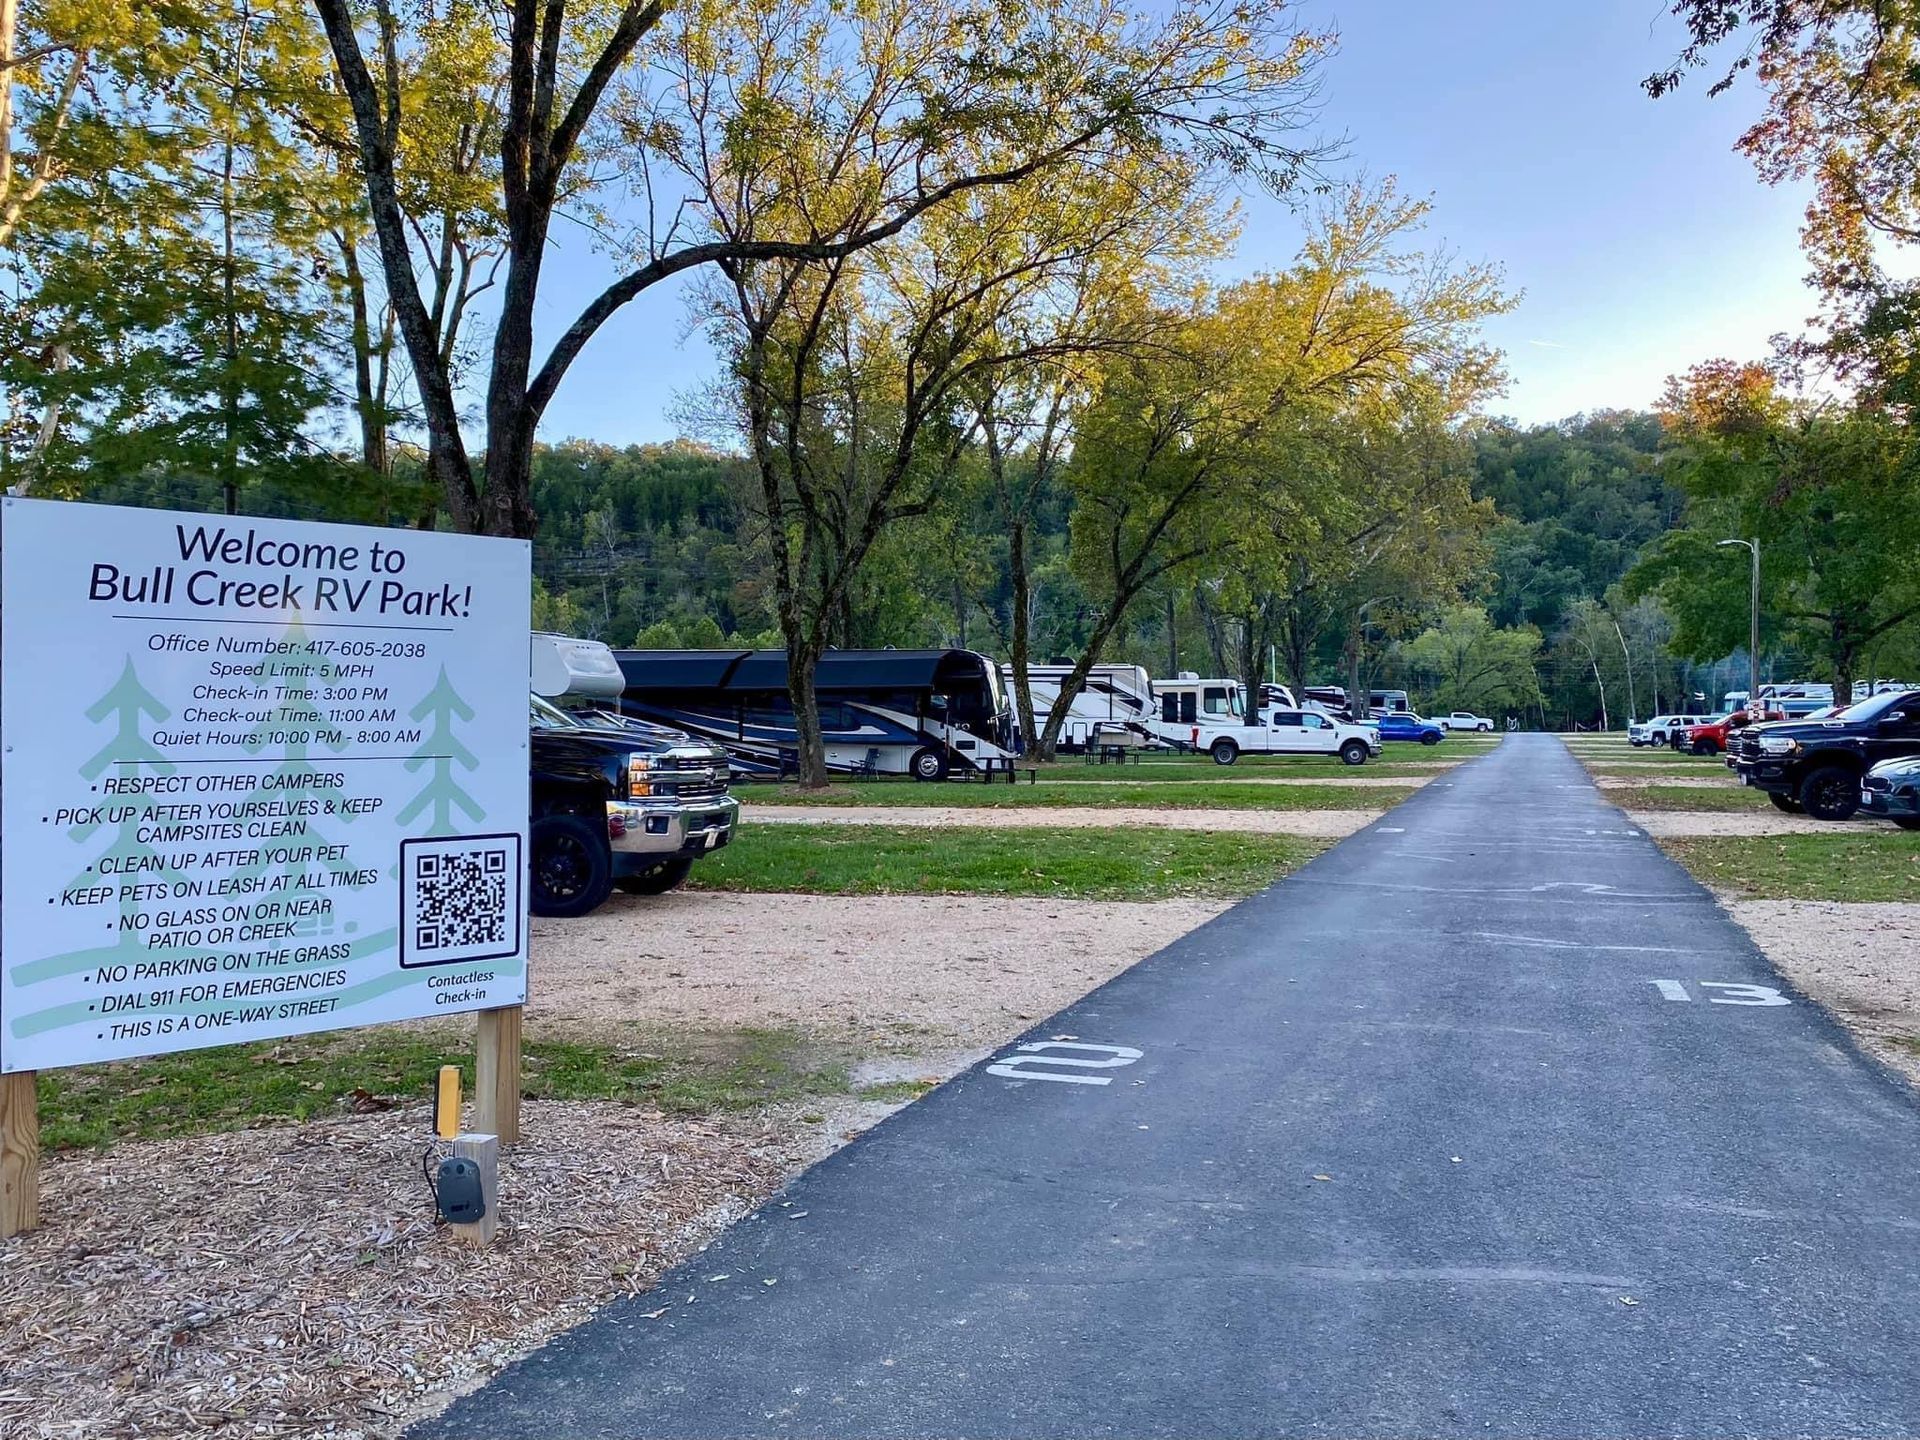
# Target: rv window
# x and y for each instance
(1216, 699)
(768, 712)
(1169, 707)
(1189, 712)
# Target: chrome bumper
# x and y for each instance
(693, 827)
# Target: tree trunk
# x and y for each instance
(368, 404)
(1845, 659)
(1250, 666)
(1214, 627)
(1359, 705)
(1173, 637)
(1022, 589)
(1077, 681)
(812, 746)
(1298, 642)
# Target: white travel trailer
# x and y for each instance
(1114, 696)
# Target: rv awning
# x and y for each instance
(679, 669)
(752, 670)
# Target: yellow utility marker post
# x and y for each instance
(446, 1103)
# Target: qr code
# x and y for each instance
(459, 899)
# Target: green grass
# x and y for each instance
(1249, 767)
(1139, 864)
(1728, 798)
(239, 1086)
(1654, 774)
(1190, 794)
(1861, 867)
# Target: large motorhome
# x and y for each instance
(893, 712)
(1114, 697)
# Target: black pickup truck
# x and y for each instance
(618, 802)
(1817, 765)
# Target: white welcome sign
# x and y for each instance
(257, 778)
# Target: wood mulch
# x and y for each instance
(291, 1281)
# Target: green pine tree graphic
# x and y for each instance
(440, 751)
(127, 752)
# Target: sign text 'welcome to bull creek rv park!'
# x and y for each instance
(257, 778)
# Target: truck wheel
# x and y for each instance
(1831, 793)
(1429, 739)
(1225, 752)
(1705, 747)
(1787, 803)
(658, 878)
(1354, 752)
(572, 866)
(928, 764)
(1486, 729)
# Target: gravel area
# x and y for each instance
(1860, 961)
(1324, 824)
(1675, 782)
(1701, 768)
(1683, 825)
(938, 971)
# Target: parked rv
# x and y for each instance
(1331, 698)
(1115, 697)
(923, 713)
(1188, 700)
(1276, 694)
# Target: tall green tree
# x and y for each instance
(859, 120)
(1470, 664)
(167, 264)
(1842, 86)
(1832, 494)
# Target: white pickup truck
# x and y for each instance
(1287, 732)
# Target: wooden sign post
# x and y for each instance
(496, 1074)
(19, 1154)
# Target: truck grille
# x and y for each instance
(690, 781)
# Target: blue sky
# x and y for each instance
(1642, 241)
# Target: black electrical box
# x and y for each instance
(458, 1189)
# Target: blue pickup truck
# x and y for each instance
(1404, 725)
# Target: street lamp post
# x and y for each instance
(1753, 625)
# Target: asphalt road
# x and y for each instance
(1414, 1146)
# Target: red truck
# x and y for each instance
(1711, 738)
